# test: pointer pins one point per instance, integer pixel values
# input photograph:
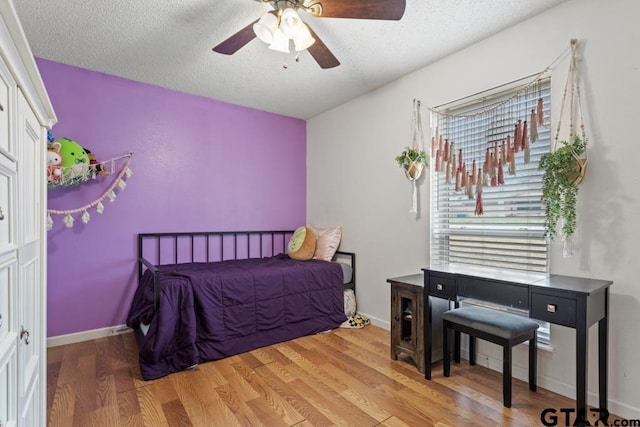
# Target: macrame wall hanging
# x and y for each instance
(473, 151)
(91, 173)
(414, 158)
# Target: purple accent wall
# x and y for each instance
(198, 164)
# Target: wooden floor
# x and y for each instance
(344, 377)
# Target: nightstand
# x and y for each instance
(407, 318)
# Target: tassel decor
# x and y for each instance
(479, 210)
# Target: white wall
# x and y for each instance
(354, 181)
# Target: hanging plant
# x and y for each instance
(563, 169)
(413, 160)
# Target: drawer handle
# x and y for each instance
(551, 308)
(439, 287)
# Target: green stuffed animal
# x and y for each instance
(75, 161)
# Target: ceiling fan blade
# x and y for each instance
(363, 9)
(321, 52)
(236, 41)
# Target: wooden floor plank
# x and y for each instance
(344, 377)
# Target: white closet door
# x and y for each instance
(32, 189)
(8, 255)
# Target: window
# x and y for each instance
(510, 232)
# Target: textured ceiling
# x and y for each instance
(168, 43)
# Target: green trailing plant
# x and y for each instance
(562, 174)
(412, 155)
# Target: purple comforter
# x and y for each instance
(209, 311)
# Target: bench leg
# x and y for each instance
(472, 350)
(533, 362)
(446, 355)
(506, 375)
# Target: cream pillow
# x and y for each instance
(327, 242)
(302, 244)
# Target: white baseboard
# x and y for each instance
(87, 335)
(384, 324)
(548, 383)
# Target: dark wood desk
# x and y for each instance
(569, 301)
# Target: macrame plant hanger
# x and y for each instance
(109, 193)
(413, 170)
(572, 88)
(571, 96)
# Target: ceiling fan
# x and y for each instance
(283, 24)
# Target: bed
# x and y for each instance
(208, 295)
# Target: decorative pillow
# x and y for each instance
(302, 244)
(328, 240)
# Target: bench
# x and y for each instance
(498, 327)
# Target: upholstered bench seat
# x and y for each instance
(495, 326)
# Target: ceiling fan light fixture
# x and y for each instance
(314, 8)
(304, 39)
(280, 42)
(290, 22)
(266, 27)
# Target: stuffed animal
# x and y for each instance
(96, 166)
(75, 161)
(54, 160)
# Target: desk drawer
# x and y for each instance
(442, 286)
(554, 309)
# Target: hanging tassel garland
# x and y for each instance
(491, 167)
(487, 159)
(445, 158)
(463, 172)
(479, 210)
(517, 137)
(534, 126)
(453, 169)
(452, 154)
(68, 221)
(118, 182)
(500, 175)
(512, 163)
(447, 173)
(458, 180)
(469, 187)
(540, 112)
(474, 172)
(525, 135)
(440, 154)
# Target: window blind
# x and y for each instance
(510, 233)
